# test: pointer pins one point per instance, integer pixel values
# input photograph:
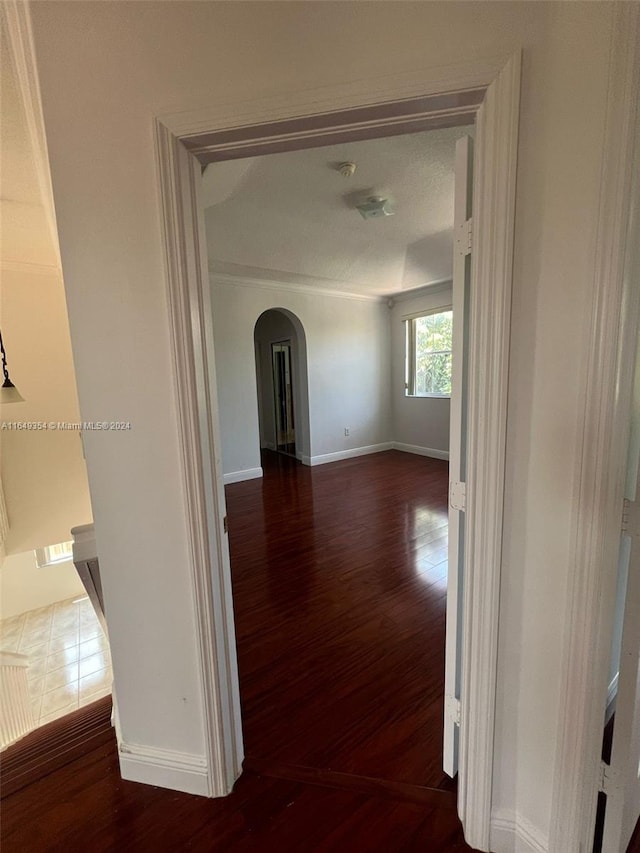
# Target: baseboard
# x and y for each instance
(511, 833)
(612, 694)
(239, 476)
(179, 771)
(420, 451)
(324, 458)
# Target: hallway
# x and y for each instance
(339, 578)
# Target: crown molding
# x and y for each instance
(229, 279)
(238, 279)
(417, 292)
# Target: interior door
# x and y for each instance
(622, 775)
(457, 449)
(283, 397)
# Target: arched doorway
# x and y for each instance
(281, 380)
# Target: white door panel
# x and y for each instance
(622, 775)
(457, 449)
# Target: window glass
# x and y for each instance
(429, 355)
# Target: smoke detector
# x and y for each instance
(374, 207)
(347, 169)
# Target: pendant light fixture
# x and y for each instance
(8, 392)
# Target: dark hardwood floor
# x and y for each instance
(83, 806)
(339, 584)
(339, 579)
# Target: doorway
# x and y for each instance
(283, 398)
(369, 528)
(280, 361)
(492, 92)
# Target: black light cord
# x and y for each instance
(7, 382)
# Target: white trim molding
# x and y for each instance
(464, 76)
(164, 768)
(416, 292)
(17, 17)
(4, 518)
(607, 382)
(420, 451)
(511, 833)
(241, 476)
(493, 214)
(311, 287)
(191, 325)
(490, 90)
(325, 458)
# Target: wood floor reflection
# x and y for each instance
(339, 578)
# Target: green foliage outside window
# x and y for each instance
(431, 359)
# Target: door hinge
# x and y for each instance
(626, 506)
(464, 237)
(631, 518)
(225, 524)
(458, 496)
(452, 709)
(607, 780)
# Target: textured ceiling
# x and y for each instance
(24, 232)
(294, 214)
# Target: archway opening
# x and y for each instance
(281, 380)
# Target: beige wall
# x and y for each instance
(106, 69)
(23, 586)
(43, 471)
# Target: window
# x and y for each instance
(428, 355)
(52, 554)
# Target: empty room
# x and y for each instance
(331, 290)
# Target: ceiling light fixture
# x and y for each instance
(8, 392)
(375, 207)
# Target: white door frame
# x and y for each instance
(491, 91)
(606, 420)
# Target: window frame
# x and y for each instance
(410, 353)
(47, 556)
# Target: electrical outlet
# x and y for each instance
(347, 431)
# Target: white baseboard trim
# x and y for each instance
(420, 451)
(239, 476)
(324, 458)
(511, 833)
(612, 694)
(179, 771)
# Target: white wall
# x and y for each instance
(23, 586)
(420, 422)
(347, 365)
(126, 62)
(44, 475)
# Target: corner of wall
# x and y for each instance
(512, 833)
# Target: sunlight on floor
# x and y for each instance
(69, 659)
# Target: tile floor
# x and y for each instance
(69, 660)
